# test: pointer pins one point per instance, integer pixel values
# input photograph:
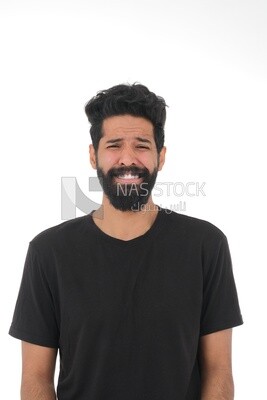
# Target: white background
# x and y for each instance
(208, 59)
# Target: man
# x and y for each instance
(140, 301)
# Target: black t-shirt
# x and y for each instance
(127, 315)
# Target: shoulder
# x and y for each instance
(61, 233)
(193, 232)
(198, 236)
(192, 228)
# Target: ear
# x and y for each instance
(162, 157)
(92, 155)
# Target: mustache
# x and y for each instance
(133, 170)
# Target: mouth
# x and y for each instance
(129, 178)
(129, 175)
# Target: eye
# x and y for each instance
(112, 146)
(141, 146)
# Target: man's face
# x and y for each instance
(127, 161)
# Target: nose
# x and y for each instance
(127, 156)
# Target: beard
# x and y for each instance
(127, 196)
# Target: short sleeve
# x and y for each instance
(220, 307)
(34, 318)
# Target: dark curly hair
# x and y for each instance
(123, 99)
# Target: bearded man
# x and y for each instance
(139, 301)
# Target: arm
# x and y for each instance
(38, 368)
(216, 366)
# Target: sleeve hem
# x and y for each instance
(27, 337)
(221, 327)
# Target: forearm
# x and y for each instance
(217, 386)
(37, 389)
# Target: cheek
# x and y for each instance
(149, 162)
(107, 161)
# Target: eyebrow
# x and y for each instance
(140, 139)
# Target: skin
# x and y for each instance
(38, 363)
(216, 366)
(38, 368)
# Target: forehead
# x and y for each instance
(127, 126)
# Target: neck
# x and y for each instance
(125, 225)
